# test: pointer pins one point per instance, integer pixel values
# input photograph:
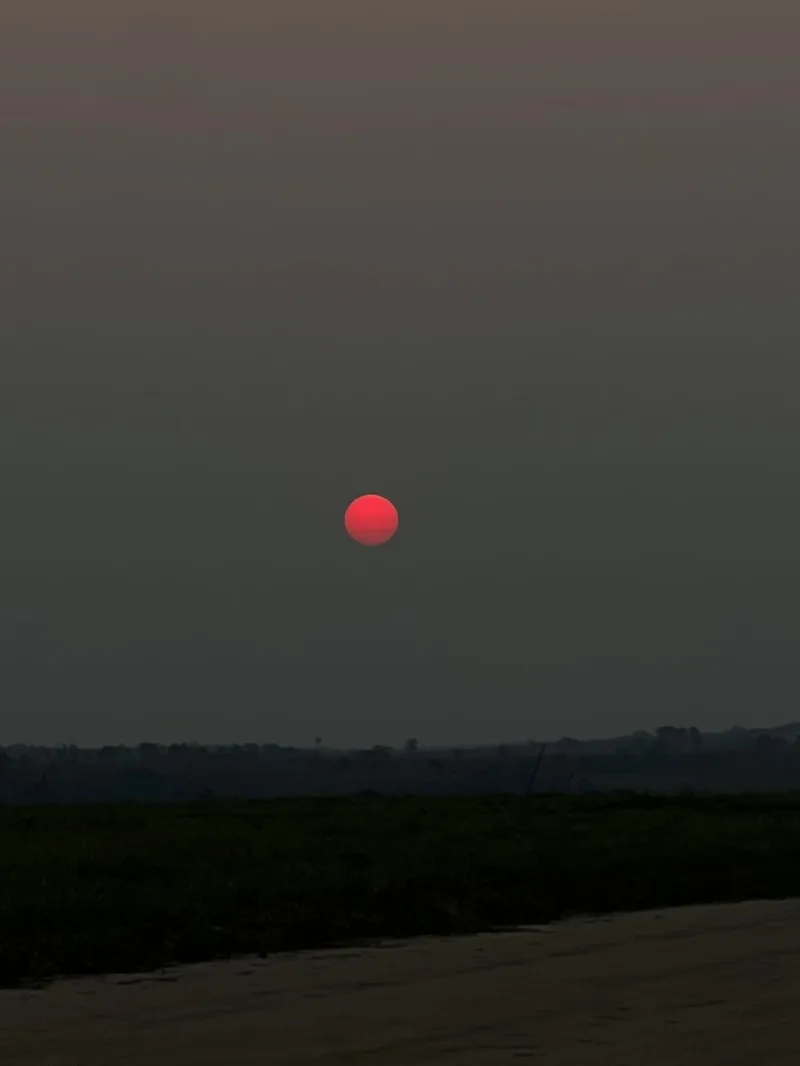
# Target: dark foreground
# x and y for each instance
(715, 985)
(130, 888)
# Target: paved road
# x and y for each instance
(699, 986)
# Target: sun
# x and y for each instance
(371, 519)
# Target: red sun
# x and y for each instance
(371, 520)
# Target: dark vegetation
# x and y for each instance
(671, 760)
(127, 887)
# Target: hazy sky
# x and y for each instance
(529, 269)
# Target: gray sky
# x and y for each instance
(528, 269)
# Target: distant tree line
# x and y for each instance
(670, 760)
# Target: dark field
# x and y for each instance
(121, 888)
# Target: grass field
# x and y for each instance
(124, 888)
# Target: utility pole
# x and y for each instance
(535, 770)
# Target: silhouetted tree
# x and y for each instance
(148, 752)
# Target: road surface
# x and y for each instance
(696, 986)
